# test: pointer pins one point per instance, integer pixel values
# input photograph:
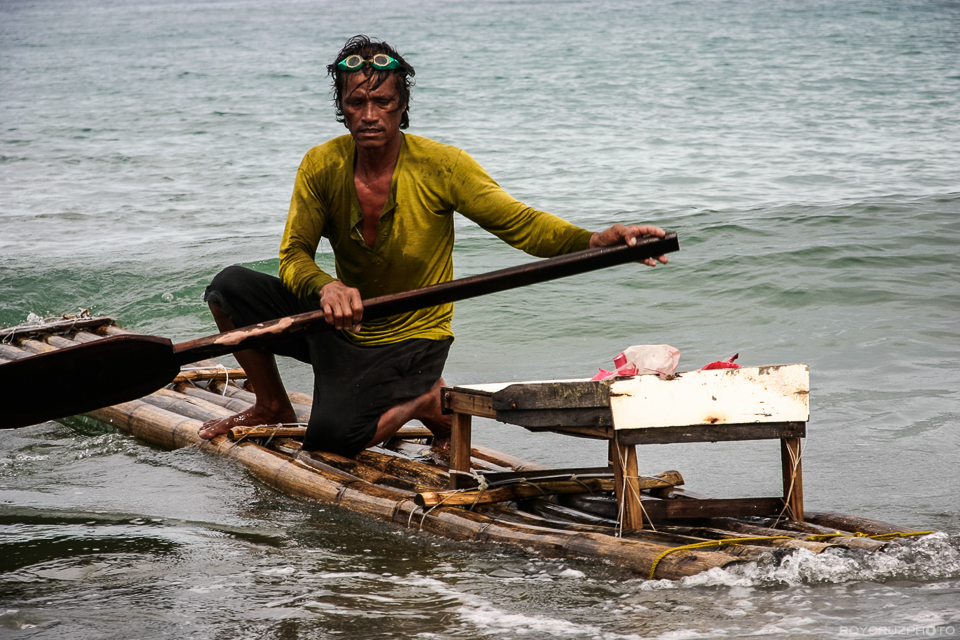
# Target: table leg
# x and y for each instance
(624, 460)
(459, 447)
(792, 477)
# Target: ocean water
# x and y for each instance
(807, 154)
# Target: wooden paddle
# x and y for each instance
(118, 369)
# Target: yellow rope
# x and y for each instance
(813, 538)
(856, 534)
(712, 543)
(823, 537)
(898, 534)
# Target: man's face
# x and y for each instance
(372, 115)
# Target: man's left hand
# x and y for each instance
(620, 234)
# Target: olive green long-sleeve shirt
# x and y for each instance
(414, 245)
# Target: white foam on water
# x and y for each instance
(932, 557)
(490, 620)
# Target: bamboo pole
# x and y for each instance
(233, 404)
(440, 457)
(219, 374)
(60, 342)
(86, 336)
(8, 353)
(34, 346)
(237, 433)
(367, 473)
(504, 460)
(186, 406)
(853, 524)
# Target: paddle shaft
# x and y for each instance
(453, 291)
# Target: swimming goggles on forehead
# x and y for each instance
(379, 61)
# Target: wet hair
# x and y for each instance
(366, 48)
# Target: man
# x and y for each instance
(385, 201)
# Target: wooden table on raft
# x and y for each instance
(751, 403)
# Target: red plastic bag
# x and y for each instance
(723, 364)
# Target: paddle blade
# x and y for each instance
(82, 378)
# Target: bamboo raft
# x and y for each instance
(491, 496)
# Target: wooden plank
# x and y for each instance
(596, 433)
(553, 474)
(466, 402)
(790, 461)
(554, 394)
(713, 508)
(712, 433)
(843, 522)
(624, 460)
(544, 419)
(459, 448)
(749, 395)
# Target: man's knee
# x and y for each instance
(229, 282)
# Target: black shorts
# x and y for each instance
(353, 385)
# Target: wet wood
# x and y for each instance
(193, 391)
(624, 461)
(585, 421)
(459, 449)
(791, 464)
(455, 400)
(187, 406)
(713, 433)
(346, 467)
(504, 460)
(59, 341)
(218, 374)
(8, 352)
(67, 325)
(416, 472)
(854, 524)
(84, 337)
(568, 394)
(34, 346)
(544, 507)
(711, 508)
(413, 432)
(440, 458)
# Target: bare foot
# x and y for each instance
(252, 417)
